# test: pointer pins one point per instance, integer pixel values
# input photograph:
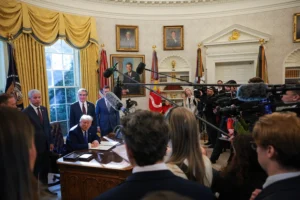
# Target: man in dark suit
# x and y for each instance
(107, 117)
(82, 136)
(146, 135)
(131, 89)
(82, 107)
(38, 116)
(173, 41)
(277, 142)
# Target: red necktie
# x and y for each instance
(83, 109)
(40, 114)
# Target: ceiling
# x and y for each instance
(163, 9)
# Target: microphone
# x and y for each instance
(118, 89)
(115, 102)
(109, 71)
(140, 68)
(252, 92)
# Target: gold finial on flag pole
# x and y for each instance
(153, 47)
(199, 45)
(102, 46)
(261, 41)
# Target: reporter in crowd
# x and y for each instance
(17, 155)
(8, 100)
(277, 143)
(242, 175)
(146, 136)
(187, 160)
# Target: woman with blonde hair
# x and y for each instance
(187, 159)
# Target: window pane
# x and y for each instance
(49, 77)
(69, 78)
(71, 95)
(61, 112)
(68, 62)
(66, 48)
(64, 127)
(60, 95)
(57, 61)
(68, 112)
(51, 96)
(52, 114)
(48, 60)
(58, 78)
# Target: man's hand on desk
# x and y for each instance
(95, 143)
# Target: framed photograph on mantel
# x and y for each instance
(127, 64)
(173, 38)
(297, 27)
(127, 38)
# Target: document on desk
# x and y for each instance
(121, 151)
(105, 145)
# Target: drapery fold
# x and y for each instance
(89, 66)
(44, 25)
(30, 60)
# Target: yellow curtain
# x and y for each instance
(44, 25)
(31, 65)
(89, 75)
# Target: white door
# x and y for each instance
(241, 72)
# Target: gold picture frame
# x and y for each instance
(173, 37)
(123, 60)
(297, 27)
(127, 38)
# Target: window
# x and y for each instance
(62, 63)
(3, 67)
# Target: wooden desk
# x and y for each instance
(86, 180)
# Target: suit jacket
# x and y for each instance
(140, 184)
(75, 138)
(284, 189)
(133, 89)
(76, 113)
(106, 120)
(173, 43)
(42, 136)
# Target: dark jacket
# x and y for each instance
(76, 113)
(107, 120)
(42, 136)
(288, 189)
(75, 138)
(140, 184)
(133, 89)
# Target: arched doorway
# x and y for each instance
(292, 68)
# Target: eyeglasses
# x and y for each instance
(253, 145)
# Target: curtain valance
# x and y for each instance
(44, 25)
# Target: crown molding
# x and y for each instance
(191, 10)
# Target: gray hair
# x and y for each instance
(86, 117)
(83, 90)
(33, 91)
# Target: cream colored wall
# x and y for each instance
(278, 23)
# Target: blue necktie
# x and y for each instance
(86, 137)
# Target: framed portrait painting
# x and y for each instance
(173, 38)
(127, 64)
(127, 38)
(297, 27)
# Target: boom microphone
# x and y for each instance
(252, 92)
(115, 102)
(140, 68)
(109, 71)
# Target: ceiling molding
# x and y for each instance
(185, 9)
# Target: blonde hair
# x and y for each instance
(282, 131)
(185, 138)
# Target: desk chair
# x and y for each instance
(59, 150)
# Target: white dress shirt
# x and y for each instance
(278, 177)
(148, 168)
(85, 105)
(35, 109)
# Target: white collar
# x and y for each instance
(155, 167)
(278, 177)
(34, 107)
